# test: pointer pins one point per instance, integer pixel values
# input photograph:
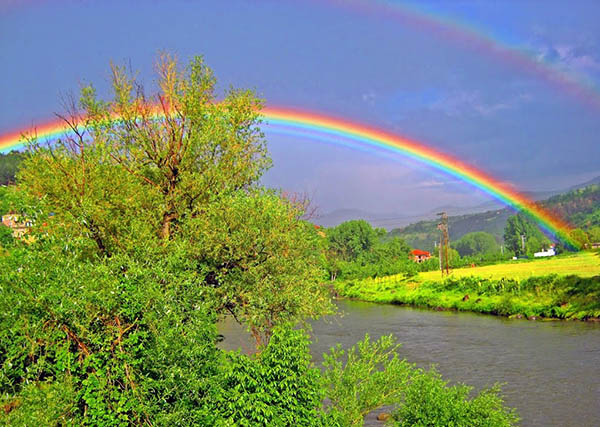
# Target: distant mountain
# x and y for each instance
(421, 230)
(593, 181)
(331, 219)
(423, 234)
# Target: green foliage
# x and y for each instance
(580, 237)
(351, 239)
(132, 345)
(6, 236)
(39, 404)
(262, 262)
(594, 234)
(520, 225)
(429, 401)
(144, 172)
(364, 378)
(278, 387)
(476, 243)
(9, 165)
(356, 250)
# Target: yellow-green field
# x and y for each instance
(565, 287)
(583, 264)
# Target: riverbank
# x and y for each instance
(548, 368)
(505, 290)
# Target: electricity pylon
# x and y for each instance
(444, 243)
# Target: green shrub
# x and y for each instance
(429, 401)
(279, 387)
(132, 346)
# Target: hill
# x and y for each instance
(581, 207)
(423, 234)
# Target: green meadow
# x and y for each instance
(564, 287)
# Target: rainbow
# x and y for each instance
(475, 39)
(331, 129)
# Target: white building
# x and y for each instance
(549, 252)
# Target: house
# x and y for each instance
(418, 255)
(595, 245)
(16, 223)
(544, 253)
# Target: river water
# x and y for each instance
(550, 369)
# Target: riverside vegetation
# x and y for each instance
(145, 231)
(565, 287)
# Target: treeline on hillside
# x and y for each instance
(580, 207)
(576, 205)
(145, 232)
(356, 250)
(9, 165)
(424, 234)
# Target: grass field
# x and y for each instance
(566, 287)
(582, 264)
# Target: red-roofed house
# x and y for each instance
(418, 255)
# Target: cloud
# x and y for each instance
(569, 58)
(369, 97)
(459, 103)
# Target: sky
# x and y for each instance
(511, 87)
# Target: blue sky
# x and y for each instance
(355, 59)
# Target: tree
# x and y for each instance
(476, 243)
(9, 165)
(180, 148)
(351, 239)
(594, 234)
(263, 263)
(580, 237)
(179, 172)
(517, 226)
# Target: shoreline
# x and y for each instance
(544, 298)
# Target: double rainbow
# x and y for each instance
(331, 129)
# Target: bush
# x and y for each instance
(279, 387)
(429, 401)
(131, 345)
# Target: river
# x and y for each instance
(550, 369)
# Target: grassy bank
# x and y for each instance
(564, 288)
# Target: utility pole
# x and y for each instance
(523, 243)
(444, 242)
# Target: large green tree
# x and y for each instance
(476, 243)
(519, 225)
(351, 239)
(178, 171)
